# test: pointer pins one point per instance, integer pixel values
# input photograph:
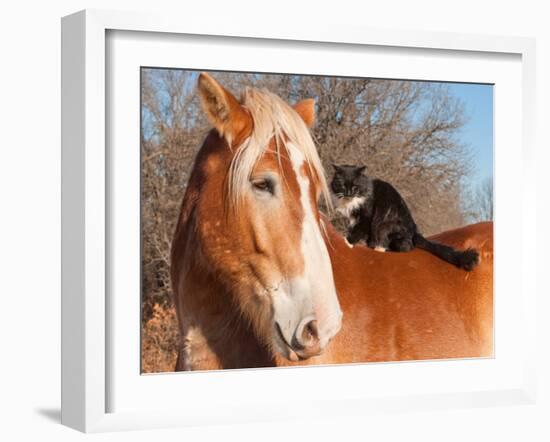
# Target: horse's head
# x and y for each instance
(257, 219)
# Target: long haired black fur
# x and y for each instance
(379, 215)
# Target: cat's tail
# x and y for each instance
(463, 259)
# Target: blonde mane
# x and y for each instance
(273, 118)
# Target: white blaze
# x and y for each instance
(313, 294)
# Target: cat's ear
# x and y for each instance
(306, 110)
(336, 168)
(222, 109)
(361, 169)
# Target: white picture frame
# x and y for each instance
(86, 314)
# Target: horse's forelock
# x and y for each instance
(272, 118)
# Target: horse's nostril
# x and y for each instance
(307, 335)
(311, 331)
(306, 342)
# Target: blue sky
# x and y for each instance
(478, 130)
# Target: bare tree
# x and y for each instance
(481, 202)
(170, 136)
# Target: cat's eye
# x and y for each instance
(264, 185)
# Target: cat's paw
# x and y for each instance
(379, 249)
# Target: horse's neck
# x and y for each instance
(215, 336)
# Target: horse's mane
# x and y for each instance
(273, 118)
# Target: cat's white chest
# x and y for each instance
(346, 206)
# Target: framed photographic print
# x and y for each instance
(284, 222)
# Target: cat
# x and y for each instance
(378, 214)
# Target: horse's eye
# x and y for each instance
(263, 185)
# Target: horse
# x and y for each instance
(261, 278)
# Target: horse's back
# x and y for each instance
(476, 236)
(413, 305)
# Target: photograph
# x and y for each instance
(225, 221)
(303, 220)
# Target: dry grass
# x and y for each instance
(159, 340)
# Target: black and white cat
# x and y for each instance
(378, 215)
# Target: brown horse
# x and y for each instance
(261, 278)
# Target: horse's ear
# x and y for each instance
(222, 108)
(306, 110)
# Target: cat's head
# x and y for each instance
(346, 180)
